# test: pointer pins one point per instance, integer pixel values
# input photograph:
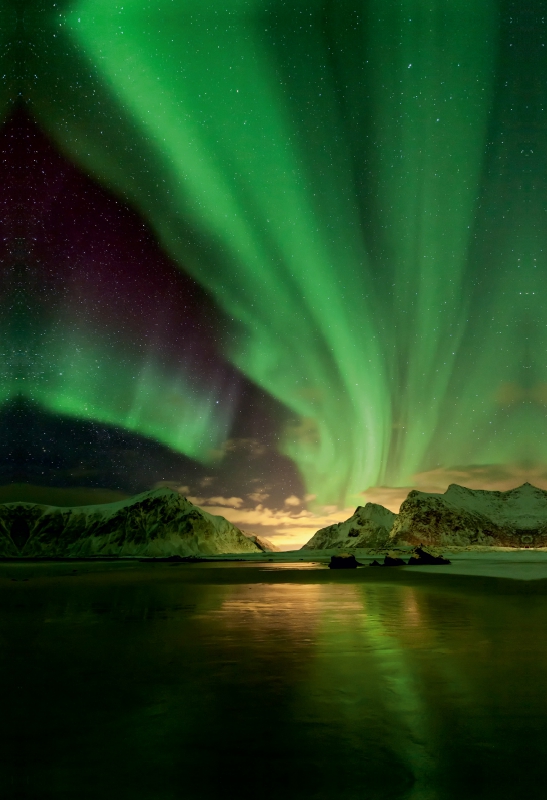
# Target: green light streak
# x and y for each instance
(365, 668)
(77, 372)
(336, 186)
(287, 271)
(431, 101)
(161, 405)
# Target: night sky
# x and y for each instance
(284, 256)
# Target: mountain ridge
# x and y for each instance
(159, 522)
(458, 517)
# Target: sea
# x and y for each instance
(157, 681)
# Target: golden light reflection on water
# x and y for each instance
(259, 609)
(411, 609)
(291, 607)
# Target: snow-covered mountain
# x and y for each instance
(463, 516)
(155, 523)
(368, 527)
(459, 517)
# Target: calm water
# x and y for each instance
(158, 682)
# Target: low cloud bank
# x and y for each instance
(492, 477)
(287, 530)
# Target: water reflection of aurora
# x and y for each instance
(309, 684)
(425, 687)
(359, 190)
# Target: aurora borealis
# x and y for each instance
(317, 226)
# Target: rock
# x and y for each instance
(368, 527)
(421, 556)
(156, 524)
(375, 564)
(344, 561)
(393, 561)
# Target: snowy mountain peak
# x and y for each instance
(461, 516)
(368, 527)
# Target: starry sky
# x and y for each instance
(285, 256)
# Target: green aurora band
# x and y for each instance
(361, 188)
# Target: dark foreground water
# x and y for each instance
(221, 681)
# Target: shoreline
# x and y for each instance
(295, 556)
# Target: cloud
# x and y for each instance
(231, 502)
(197, 501)
(508, 394)
(258, 497)
(288, 529)
(494, 477)
(293, 500)
(389, 496)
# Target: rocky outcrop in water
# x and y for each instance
(156, 523)
(344, 561)
(460, 517)
(421, 558)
